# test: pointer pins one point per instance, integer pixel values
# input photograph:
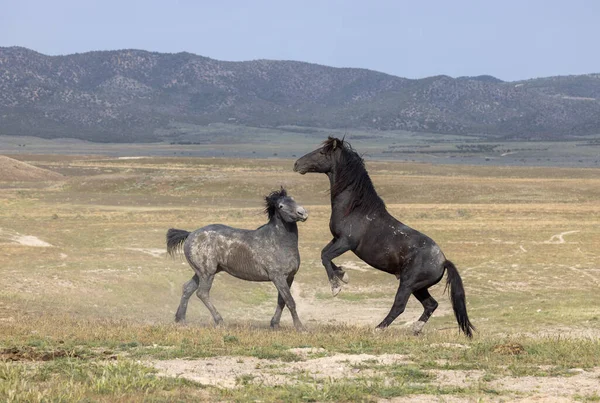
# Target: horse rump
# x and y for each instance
(175, 240)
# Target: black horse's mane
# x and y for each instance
(351, 173)
(271, 201)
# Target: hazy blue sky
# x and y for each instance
(508, 39)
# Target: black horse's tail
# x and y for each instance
(457, 295)
(175, 240)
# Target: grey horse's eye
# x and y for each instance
(281, 206)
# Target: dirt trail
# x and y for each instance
(228, 372)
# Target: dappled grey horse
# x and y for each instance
(361, 223)
(268, 253)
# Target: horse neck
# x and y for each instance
(345, 200)
(283, 228)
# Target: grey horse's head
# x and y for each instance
(322, 159)
(279, 203)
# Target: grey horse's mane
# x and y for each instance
(271, 201)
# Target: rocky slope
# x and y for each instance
(134, 95)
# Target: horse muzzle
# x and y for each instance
(302, 214)
(298, 169)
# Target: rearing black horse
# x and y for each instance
(361, 223)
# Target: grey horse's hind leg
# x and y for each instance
(284, 291)
(429, 306)
(188, 290)
(280, 305)
(203, 294)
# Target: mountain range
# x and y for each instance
(140, 96)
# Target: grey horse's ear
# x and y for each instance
(334, 143)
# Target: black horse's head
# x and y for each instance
(279, 203)
(322, 159)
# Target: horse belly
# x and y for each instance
(240, 262)
(383, 256)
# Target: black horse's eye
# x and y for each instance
(281, 206)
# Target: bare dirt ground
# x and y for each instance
(230, 372)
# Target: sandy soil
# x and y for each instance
(14, 237)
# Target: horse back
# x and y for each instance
(244, 254)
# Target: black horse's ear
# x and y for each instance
(334, 143)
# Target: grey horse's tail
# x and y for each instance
(457, 296)
(175, 240)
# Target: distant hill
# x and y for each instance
(134, 95)
(16, 171)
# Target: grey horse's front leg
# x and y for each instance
(280, 305)
(337, 277)
(188, 290)
(285, 293)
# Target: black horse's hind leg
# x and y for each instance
(203, 294)
(399, 305)
(280, 305)
(336, 276)
(188, 290)
(429, 306)
(284, 290)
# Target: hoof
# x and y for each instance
(418, 327)
(379, 329)
(342, 275)
(274, 326)
(336, 286)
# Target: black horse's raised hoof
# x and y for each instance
(336, 285)
(342, 275)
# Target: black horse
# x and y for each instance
(361, 223)
(268, 253)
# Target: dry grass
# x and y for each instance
(524, 239)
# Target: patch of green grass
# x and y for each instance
(76, 380)
(595, 397)
(403, 372)
(368, 389)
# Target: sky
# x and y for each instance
(508, 39)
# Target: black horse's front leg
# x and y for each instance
(338, 271)
(337, 276)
